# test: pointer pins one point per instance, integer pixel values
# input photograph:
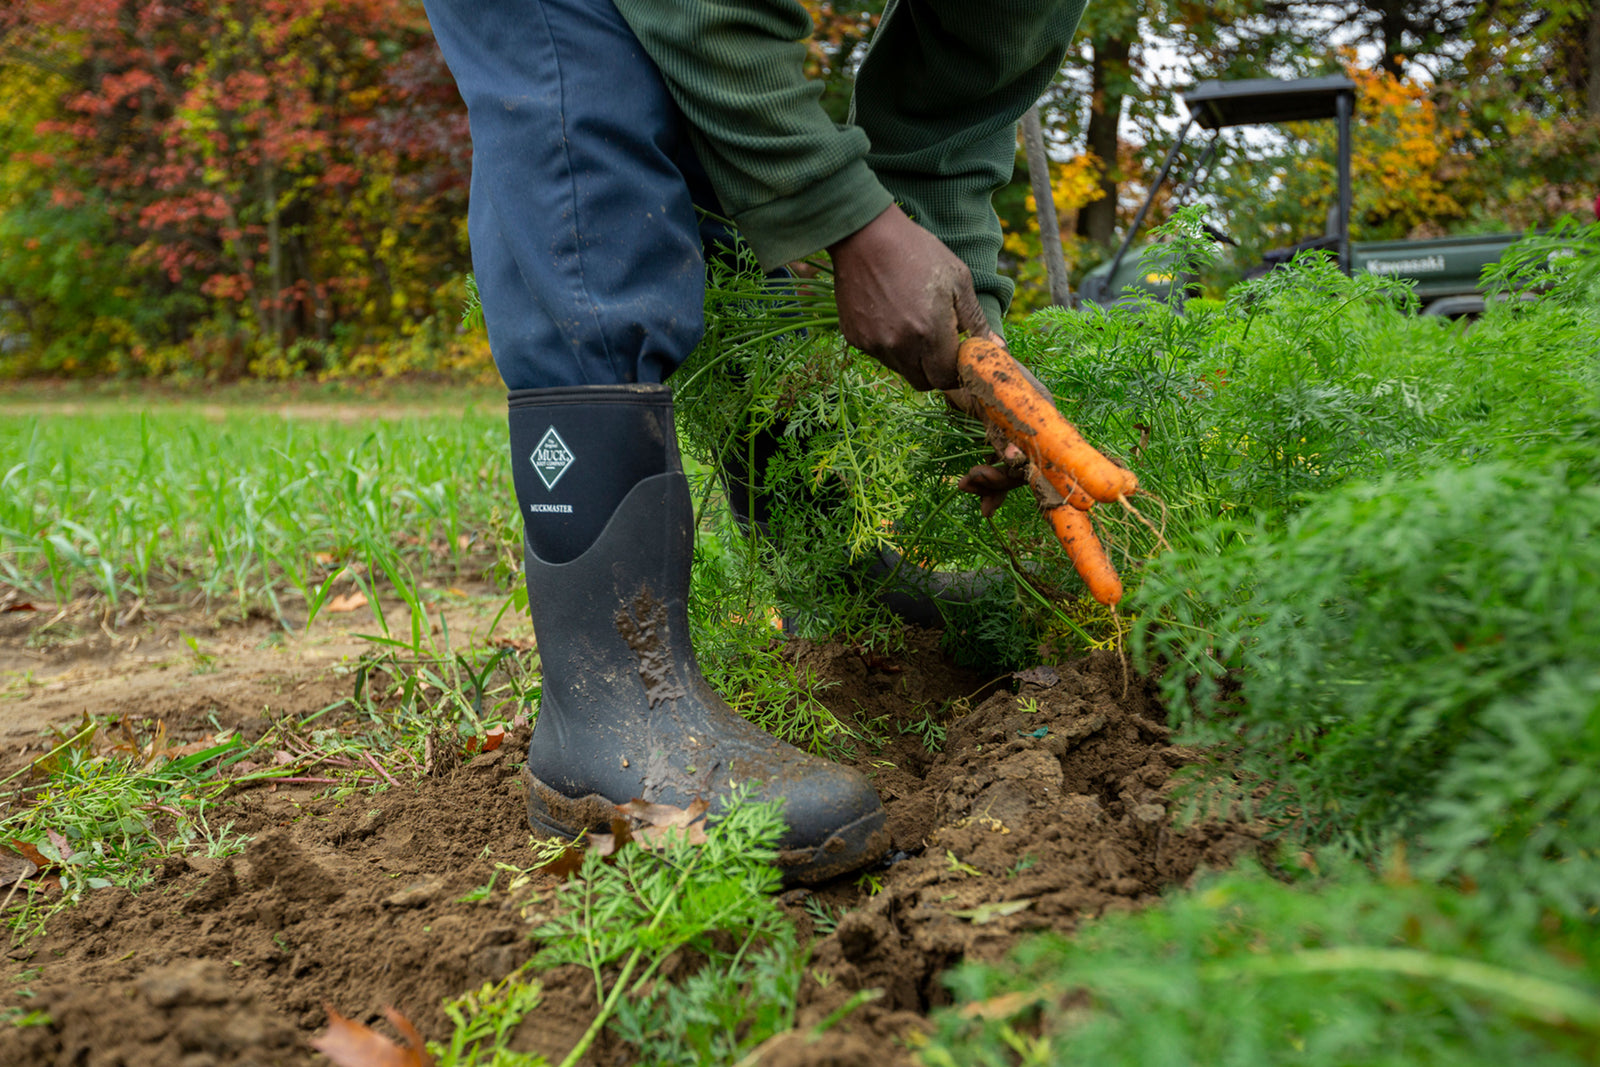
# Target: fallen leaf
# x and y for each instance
(346, 602)
(566, 864)
(646, 824)
(63, 849)
(15, 867)
(179, 751)
(21, 606)
(490, 741)
(621, 833)
(1006, 1005)
(653, 822)
(32, 854)
(324, 559)
(350, 1044)
(515, 644)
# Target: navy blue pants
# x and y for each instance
(585, 242)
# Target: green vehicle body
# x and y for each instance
(1446, 271)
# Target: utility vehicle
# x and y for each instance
(1446, 269)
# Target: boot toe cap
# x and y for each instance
(836, 824)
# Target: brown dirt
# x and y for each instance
(1044, 806)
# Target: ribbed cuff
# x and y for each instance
(991, 311)
(782, 231)
(625, 393)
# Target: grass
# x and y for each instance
(243, 512)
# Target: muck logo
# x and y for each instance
(551, 458)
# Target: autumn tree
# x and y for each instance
(291, 167)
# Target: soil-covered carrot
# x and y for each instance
(1012, 401)
(1076, 534)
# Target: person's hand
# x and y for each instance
(905, 299)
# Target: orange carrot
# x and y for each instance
(1076, 534)
(1012, 401)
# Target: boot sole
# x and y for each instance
(848, 848)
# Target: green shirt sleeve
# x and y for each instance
(792, 179)
(933, 125)
(939, 96)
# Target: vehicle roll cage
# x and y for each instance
(1219, 105)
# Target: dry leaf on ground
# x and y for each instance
(652, 822)
(15, 867)
(640, 821)
(648, 824)
(350, 1044)
(345, 602)
(63, 848)
(490, 741)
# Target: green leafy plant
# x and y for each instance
(484, 1021)
(1411, 656)
(1342, 969)
(623, 917)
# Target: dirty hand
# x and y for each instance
(904, 299)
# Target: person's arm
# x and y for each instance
(795, 182)
(939, 96)
(792, 179)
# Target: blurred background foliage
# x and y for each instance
(229, 190)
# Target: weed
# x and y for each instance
(95, 818)
(204, 662)
(823, 920)
(956, 866)
(709, 902)
(1026, 863)
(485, 1019)
(928, 729)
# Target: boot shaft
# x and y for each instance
(577, 452)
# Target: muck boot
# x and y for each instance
(914, 594)
(625, 711)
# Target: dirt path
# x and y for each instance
(58, 662)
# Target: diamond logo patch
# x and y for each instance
(551, 458)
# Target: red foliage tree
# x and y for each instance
(295, 165)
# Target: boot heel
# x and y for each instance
(561, 816)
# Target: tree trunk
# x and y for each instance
(1097, 221)
(269, 195)
(1055, 261)
(1594, 61)
(1391, 33)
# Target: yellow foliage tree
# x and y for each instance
(1073, 183)
(1400, 170)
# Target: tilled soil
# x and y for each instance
(1045, 804)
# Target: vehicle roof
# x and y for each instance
(1216, 104)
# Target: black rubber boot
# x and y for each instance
(625, 711)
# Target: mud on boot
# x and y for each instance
(625, 711)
